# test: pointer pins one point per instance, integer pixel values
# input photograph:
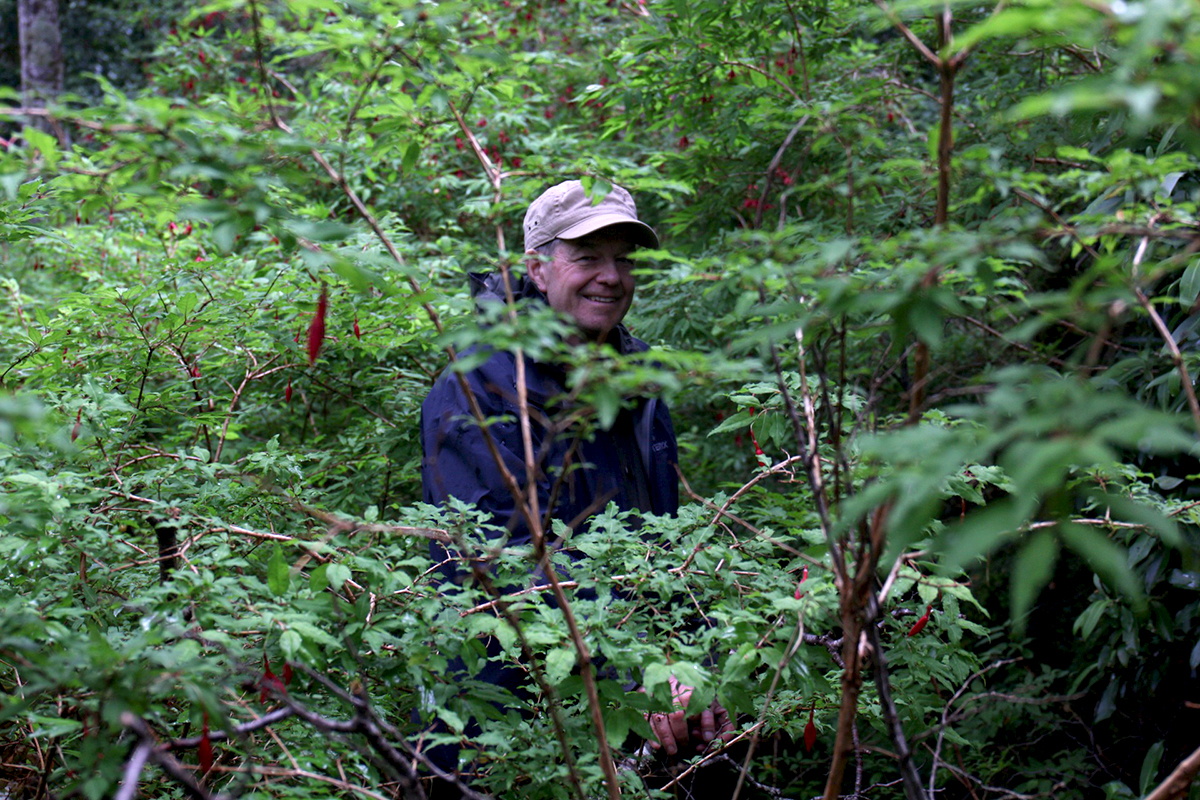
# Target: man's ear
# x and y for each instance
(535, 268)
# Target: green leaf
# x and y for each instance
(51, 727)
(1150, 767)
(608, 405)
(290, 643)
(1032, 570)
(617, 724)
(318, 580)
(1189, 284)
(411, 154)
(559, 663)
(279, 577)
(45, 144)
(654, 675)
(313, 633)
(337, 575)
(1107, 558)
(1152, 518)
(1108, 701)
(452, 720)
(1086, 622)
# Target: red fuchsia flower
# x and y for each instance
(270, 682)
(316, 328)
(920, 624)
(204, 750)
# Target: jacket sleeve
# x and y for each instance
(457, 461)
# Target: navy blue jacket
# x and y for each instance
(457, 462)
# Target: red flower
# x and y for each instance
(205, 750)
(316, 328)
(920, 624)
(810, 732)
(803, 578)
(270, 682)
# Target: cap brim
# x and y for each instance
(646, 237)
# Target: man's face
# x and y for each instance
(589, 280)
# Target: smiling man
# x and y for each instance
(578, 261)
(579, 254)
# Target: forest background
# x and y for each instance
(926, 316)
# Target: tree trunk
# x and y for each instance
(41, 57)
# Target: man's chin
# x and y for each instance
(592, 333)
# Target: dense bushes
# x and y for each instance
(980, 419)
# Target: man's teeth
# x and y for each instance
(603, 299)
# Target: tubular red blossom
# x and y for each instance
(205, 750)
(270, 682)
(316, 328)
(919, 625)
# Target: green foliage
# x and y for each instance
(162, 272)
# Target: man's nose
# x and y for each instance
(607, 271)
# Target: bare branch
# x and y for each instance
(1175, 786)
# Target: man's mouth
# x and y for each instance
(598, 299)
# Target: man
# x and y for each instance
(578, 261)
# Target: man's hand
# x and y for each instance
(675, 732)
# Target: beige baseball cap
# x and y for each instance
(566, 212)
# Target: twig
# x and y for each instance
(1175, 786)
(133, 770)
(1185, 380)
(787, 142)
(908, 767)
(937, 750)
(793, 646)
(711, 756)
(721, 512)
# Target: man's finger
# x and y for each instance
(661, 728)
(708, 725)
(678, 726)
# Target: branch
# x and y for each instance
(908, 767)
(908, 34)
(937, 750)
(1185, 380)
(787, 142)
(1176, 785)
(133, 770)
(146, 750)
(793, 646)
